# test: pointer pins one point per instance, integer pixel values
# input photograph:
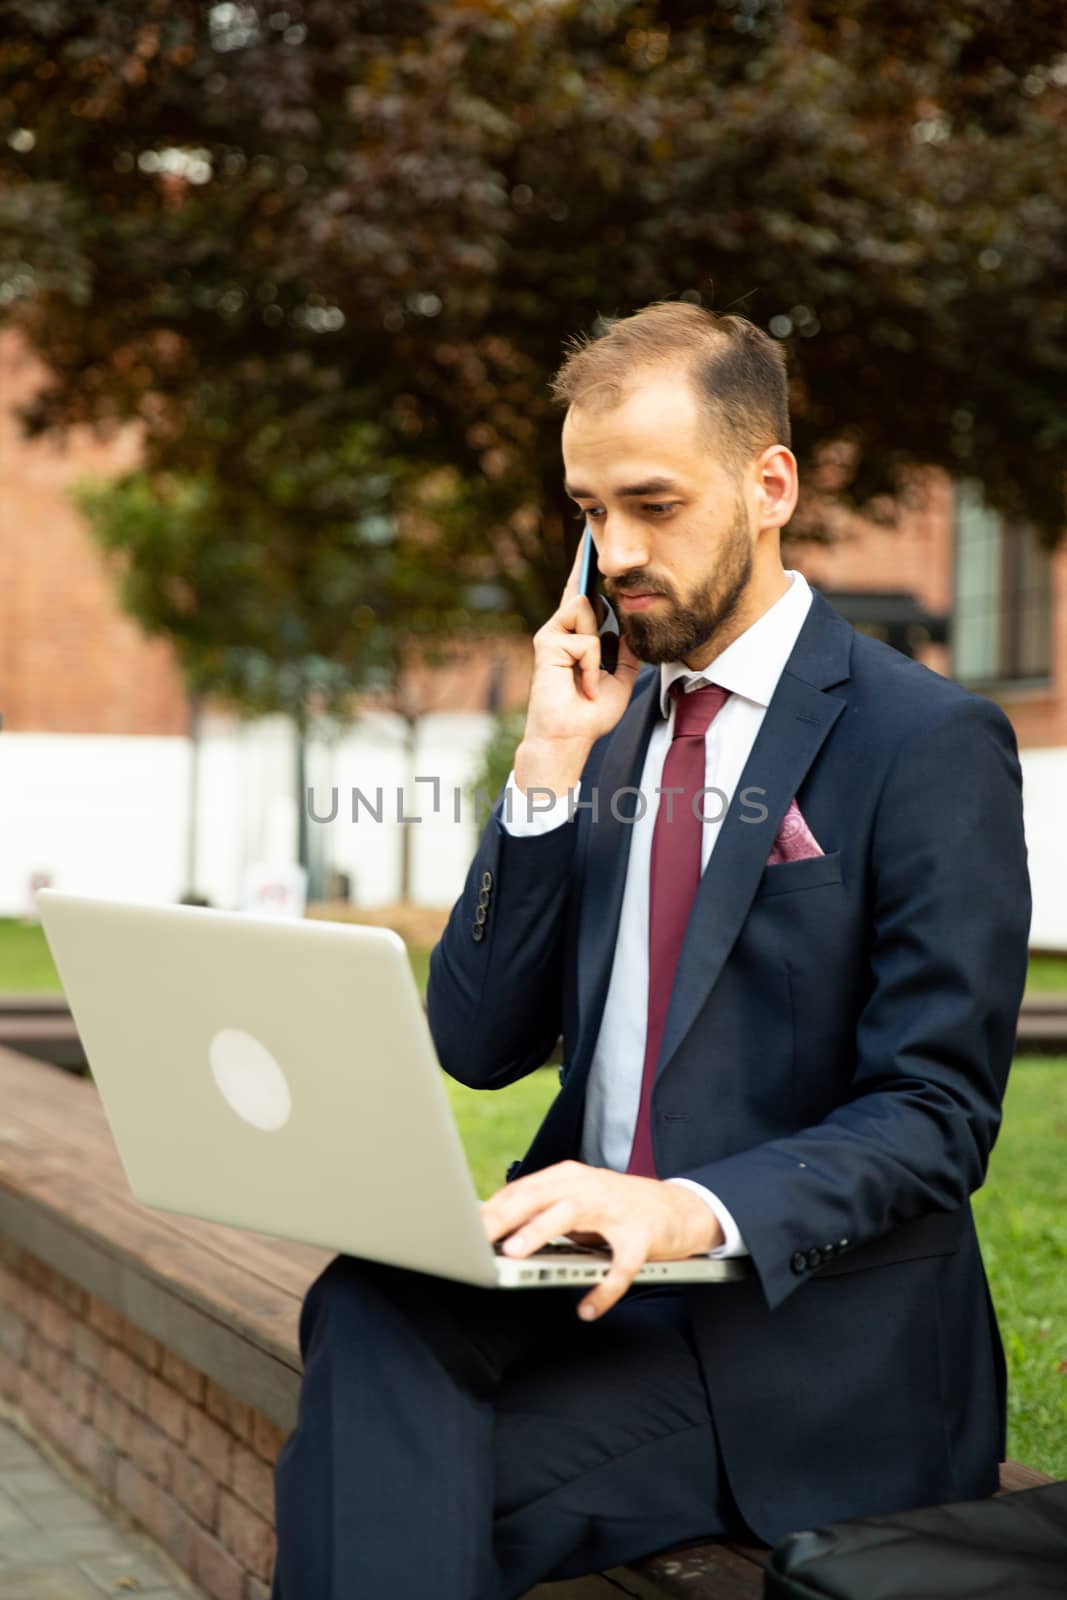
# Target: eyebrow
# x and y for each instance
(629, 491)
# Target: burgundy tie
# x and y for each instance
(673, 880)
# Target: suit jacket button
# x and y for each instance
(564, 1068)
(842, 1244)
(799, 1262)
(480, 914)
(483, 897)
(477, 932)
(814, 1258)
(487, 880)
(827, 1252)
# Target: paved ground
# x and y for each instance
(59, 1543)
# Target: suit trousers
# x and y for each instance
(459, 1443)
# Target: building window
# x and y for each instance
(1001, 620)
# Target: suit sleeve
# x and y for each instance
(935, 1036)
(494, 997)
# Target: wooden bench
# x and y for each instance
(1042, 1028)
(712, 1571)
(161, 1355)
(41, 1025)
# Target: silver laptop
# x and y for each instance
(280, 1076)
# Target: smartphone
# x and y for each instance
(607, 622)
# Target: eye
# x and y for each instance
(660, 507)
(591, 515)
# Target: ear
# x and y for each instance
(777, 485)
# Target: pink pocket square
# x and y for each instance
(795, 839)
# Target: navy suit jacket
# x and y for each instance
(833, 1064)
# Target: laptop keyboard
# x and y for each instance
(559, 1247)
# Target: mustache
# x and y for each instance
(637, 585)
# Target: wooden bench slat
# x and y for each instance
(268, 1263)
(707, 1572)
(99, 1204)
(599, 1586)
(23, 1025)
(48, 1036)
(39, 1091)
(31, 1002)
(718, 1570)
(260, 1313)
(1014, 1476)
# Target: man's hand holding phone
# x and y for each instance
(572, 701)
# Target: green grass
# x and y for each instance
(497, 1125)
(420, 965)
(1021, 1212)
(1047, 975)
(25, 962)
(1022, 1223)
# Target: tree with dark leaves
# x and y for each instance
(326, 256)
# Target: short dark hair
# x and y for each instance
(738, 371)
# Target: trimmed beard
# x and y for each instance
(674, 633)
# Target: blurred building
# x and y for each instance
(109, 784)
(971, 594)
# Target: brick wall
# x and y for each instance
(188, 1462)
(917, 555)
(71, 661)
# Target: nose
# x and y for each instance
(621, 546)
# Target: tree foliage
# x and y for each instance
(313, 248)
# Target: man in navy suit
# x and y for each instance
(798, 1057)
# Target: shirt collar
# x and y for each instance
(753, 663)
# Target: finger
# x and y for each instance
(576, 615)
(571, 586)
(581, 651)
(586, 660)
(513, 1205)
(580, 613)
(538, 1230)
(629, 1253)
(628, 663)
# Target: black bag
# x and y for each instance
(1013, 1547)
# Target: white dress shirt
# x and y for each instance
(750, 667)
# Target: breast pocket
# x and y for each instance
(808, 873)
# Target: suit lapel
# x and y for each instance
(793, 730)
(797, 721)
(791, 735)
